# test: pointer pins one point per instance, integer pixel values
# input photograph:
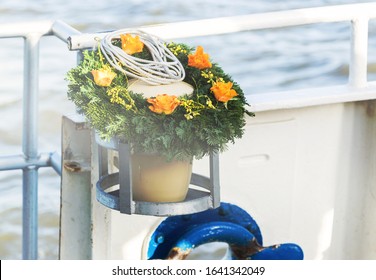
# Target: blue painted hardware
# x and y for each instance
(177, 236)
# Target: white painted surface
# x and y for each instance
(305, 175)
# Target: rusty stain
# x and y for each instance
(243, 252)
(72, 166)
(253, 247)
(177, 254)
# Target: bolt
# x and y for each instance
(159, 238)
(223, 210)
(72, 166)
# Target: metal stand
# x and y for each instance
(121, 198)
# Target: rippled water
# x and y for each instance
(260, 61)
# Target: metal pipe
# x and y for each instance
(126, 204)
(233, 24)
(30, 146)
(12, 162)
(30, 214)
(55, 162)
(30, 98)
(15, 162)
(58, 28)
(359, 50)
(63, 31)
(214, 179)
(14, 30)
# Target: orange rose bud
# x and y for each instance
(163, 104)
(223, 92)
(103, 77)
(199, 59)
(130, 44)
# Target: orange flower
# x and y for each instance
(103, 77)
(200, 59)
(223, 92)
(131, 44)
(163, 103)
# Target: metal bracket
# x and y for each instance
(121, 199)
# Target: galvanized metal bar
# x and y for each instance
(30, 98)
(30, 146)
(359, 51)
(55, 162)
(226, 25)
(125, 180)
(15, 162)
(23, 29)
(214, 179)
(63, 31)
(30, 213)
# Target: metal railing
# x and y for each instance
(31, 160)
(358, 88)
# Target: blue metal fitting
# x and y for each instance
(228, 223)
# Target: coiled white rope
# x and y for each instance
(165, 68)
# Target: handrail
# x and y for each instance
(357, 14)
(358, 88)
(31, 160)
(225, 25)
(56, 28)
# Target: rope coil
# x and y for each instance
(164, 68)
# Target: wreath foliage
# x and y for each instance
(200, 123)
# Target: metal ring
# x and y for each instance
(196, 201)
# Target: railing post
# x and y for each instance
(359, 49)
(30, 147)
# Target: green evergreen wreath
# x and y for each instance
(176, 127)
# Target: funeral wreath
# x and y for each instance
(191, 124)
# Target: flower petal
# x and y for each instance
(163, 104)
(103, 77)
(130, 44)
(223, 92)
(199, 59)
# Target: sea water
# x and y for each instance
(260, 61)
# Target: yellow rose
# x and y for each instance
(223, 92)
(103, 77)
(130, 44)
(163, 103)
(199, 59)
